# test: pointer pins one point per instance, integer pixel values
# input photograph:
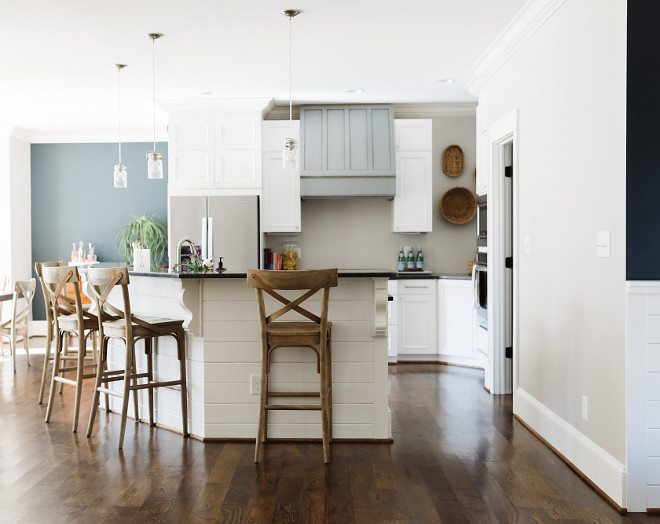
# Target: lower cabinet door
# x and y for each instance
(417, 325)
(455, 326)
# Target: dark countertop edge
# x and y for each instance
(432, 276)
(350, 273)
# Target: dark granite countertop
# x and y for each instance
(343, 273)
(413, 275)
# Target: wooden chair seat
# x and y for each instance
(130, 328)
(314, 333)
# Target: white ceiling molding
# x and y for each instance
(428, 110)
(261, 105)
(532, 16)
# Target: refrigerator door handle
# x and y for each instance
(209, 242)
(204, 238)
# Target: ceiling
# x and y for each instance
(58, 81)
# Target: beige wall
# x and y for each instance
(357, 232)
(568, 83)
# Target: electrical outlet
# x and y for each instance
(255, 384)
(585, 408)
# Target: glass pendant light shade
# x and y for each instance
(154, 165)
(121, 179)
(120, 175)
(290, 154)
(154, 158)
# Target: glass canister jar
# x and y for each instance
(290, 255)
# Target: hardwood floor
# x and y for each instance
(458, 456)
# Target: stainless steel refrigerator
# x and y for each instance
(223, 226)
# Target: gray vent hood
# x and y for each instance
(347, 151)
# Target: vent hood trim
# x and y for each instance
(348, 187)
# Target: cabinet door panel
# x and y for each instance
(413, 134)
(281, 196)
(236, 134)
(417, 325)
(383, 159)
(313, 133)
(336, 140)
(192, 169)
(238, 169)
(193, 134)
(358, 140)
(455, 306)
(412, 204)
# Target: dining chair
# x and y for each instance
(130, 329)
(314, 332)
(19, 323)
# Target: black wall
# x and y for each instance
(643, 141)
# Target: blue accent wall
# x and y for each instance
(73, 198)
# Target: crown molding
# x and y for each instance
(411, 110)
(530, 18)
(15, 132)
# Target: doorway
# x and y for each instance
(502, 284)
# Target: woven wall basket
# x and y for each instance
(452, 161)
(458, 205)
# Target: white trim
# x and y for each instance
(532, 16)
(504, 131)
(435, 110)
(260, 105)
(594, 462)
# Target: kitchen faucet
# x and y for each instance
(178, 250)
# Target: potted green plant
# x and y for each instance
(149, 231)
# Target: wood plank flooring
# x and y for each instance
(458, 457)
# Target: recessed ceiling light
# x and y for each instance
(445, 81)
(355, 90)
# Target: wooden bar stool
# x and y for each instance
(70, 318)
(18, 324)
(314, 333)
(131, 328)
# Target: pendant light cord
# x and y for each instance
(153, 84)
(119, 110)
(290, 71)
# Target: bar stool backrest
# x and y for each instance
(55, 279)
(102, 281)
(38, 267)
(309, 280)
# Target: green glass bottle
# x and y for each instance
(401, 262)
(419, 262)
(410, 261)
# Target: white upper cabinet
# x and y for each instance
(280, 185)
(412, 206)
(214, 150)
(413, 134)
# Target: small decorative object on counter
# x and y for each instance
(289, 256)
(401, 262)
(410, 261)
(419, 262)
(220, 269)
(81, 253)
(74, 254)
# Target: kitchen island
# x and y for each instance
(223, 352)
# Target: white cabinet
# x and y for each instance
(412, 206)
(455, 322)
(280, 186)
(417, 317)
(209, 150)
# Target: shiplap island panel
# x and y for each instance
(223, 350)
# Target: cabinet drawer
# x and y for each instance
(418, 287)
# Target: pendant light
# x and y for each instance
(154, 158)
(290, 151)
(120, 176)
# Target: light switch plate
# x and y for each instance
(603, 244)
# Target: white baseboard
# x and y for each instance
(606, 472)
